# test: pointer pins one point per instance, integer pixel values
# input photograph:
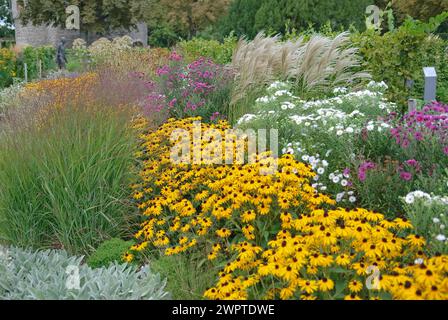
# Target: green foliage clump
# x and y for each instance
(54, 275)
(162, 36)
(6, 27)
(31, 56)
(219, 52)
(108, 252)
(402, 53)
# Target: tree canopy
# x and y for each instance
(185, 17)
(6, 23)
(421, 9)
(98, 16)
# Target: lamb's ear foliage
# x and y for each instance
(53, 274)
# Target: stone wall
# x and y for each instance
(48, 35)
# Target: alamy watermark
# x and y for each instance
(373, 280)
(373, 21)
(73, 20)
(213, 146)
(73, 281)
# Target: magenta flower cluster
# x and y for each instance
(408, 169)
(363, 168)
(418, 126)
(183, 89)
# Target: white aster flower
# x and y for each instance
(419, 261)
(409, 199)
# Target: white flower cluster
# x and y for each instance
(371, 97)
(415, 195)
(246, 118)
(378, 85)
(342, 179)
(440, 224)
(276, 90)
(340, 197)
(320, 166)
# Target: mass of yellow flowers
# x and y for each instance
(272, 236)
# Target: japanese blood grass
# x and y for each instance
(63, 181)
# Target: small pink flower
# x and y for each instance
(445, 150)
(362, 176)
(405, 143)
(406, 176)
(418, 136)
(172, 102)
(175, 56)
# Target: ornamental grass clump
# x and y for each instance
(65, 177)
(318, 65)
(273, 236)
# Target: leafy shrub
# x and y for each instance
(199, 48)
(7, 67)
(45, 275)
(31, 56)
(401, 54)
(108, 252)
(162, 36)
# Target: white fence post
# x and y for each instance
(430, 83)
(25, 66)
